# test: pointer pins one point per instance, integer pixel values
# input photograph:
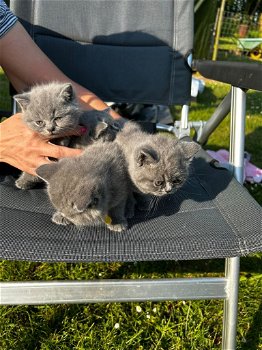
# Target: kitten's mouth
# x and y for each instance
(52, 134)
(165, 193)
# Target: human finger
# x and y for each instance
(55, 151)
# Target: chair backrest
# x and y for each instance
(124, 51)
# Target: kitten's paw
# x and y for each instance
(24, 185)
(59, 219)
(130, 214)
(130, 207)
(143, 201)
(118, 227)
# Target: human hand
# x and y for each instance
(27, 150)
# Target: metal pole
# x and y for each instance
(237, 130)
(184, 128)
(220, 113)
(219, 26)
(231, 304)
(236, 159)
(73, 292)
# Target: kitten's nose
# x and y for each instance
(168, 188)
(78, 210)
(50, 129)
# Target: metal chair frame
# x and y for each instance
(226, 288)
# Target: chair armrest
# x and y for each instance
(238, 74)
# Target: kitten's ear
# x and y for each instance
(67, 92)
(100, 128)
(146, 156)
(23, 100)
(46, 171)
(189, 148)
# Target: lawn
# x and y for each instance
(181, 325)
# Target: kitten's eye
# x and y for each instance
(95, 201)
(58, 120)
(40, 123)
(159, 183)
(177, 181)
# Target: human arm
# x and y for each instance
(25, 65)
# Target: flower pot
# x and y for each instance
(242, 30)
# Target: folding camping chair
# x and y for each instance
(138, 52)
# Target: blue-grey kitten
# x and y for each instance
(52, 110)
(88, 188)
(157, 164)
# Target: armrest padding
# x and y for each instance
(238, 74)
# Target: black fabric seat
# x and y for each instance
(199, 221)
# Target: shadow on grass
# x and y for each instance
(148, 269)
(253, 335)
(207, 97)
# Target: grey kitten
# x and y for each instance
(100, 126)
(157, 165)
(52, 110)
(87, 188)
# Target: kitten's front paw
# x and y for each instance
(118, 227)
(130, 214)
(59, 219)
(143, 203)
(130, 210)
(24, 185)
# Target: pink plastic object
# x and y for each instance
(252, 173)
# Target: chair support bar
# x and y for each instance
(236, 159)
(57, 292)
(237, 132)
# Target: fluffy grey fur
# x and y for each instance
(85, 189)
(157, 165)
(100, 126)
(52, 110)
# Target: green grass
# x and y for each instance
(5, 100)
(230, 49)
(229, 44)
(185, 325)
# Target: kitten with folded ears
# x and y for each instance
(52, 110)
(157, 165)
(88, 188)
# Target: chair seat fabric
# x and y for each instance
(212, 216)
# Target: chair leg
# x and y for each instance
(237, 132)
(236, 159)
(231, 304)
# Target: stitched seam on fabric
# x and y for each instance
(229, 221)
(32, 29)
(174, 26)
(26, 210)
(173, 57)
(102, 44)
(115, 255)
(189, 211)
(242, 244)
(179, 212)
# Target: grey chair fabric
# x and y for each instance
(124, 51)
(212, 216)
